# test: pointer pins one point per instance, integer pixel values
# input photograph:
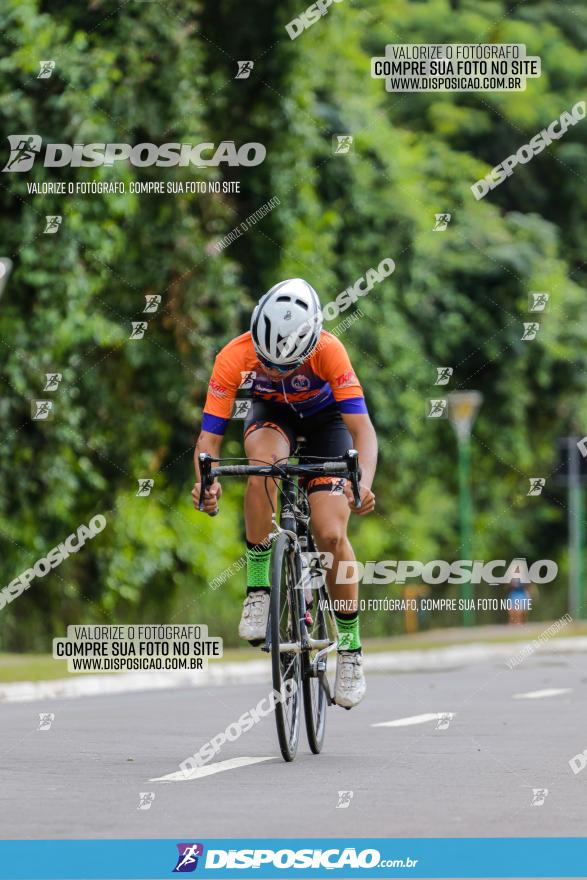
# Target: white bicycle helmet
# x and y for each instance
(286, 324)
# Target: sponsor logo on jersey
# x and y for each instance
(217, 390)
(345, 379)
(300, 383)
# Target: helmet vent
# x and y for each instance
(267, 332)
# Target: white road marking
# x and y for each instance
(209, 769)
(547, 692)
(415, 719)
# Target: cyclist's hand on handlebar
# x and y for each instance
(211, 498)
(367, 499)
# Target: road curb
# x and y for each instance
(430, 660)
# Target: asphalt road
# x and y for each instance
(82, 778)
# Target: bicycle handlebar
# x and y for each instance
(347, 465)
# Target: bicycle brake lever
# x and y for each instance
(205, 462)
(352, 457)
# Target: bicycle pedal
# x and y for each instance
(309, 619)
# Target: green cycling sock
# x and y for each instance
(258, 564)
(349, 638)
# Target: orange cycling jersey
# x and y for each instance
(326, 378)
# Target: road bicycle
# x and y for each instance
(301, 630)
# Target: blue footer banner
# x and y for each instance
(313, 857)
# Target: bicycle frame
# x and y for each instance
(294, 522)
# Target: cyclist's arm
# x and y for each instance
(215, 418)
(210, 443)
(365, 442)
(333, 363)
(207, 442)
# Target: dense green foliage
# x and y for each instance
(129, 409)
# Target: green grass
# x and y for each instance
(31, 667)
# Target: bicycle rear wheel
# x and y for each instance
(285, 665)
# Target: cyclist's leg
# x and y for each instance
(329, 436)
(268, 438)
(266, 441)
(330, 515)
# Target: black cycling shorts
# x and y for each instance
(325, 434)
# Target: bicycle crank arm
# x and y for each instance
(323, 679)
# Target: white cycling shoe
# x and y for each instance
(349, 685)
(253, 625)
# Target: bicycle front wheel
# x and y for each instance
(285, 630)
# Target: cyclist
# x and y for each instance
(302, 383)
